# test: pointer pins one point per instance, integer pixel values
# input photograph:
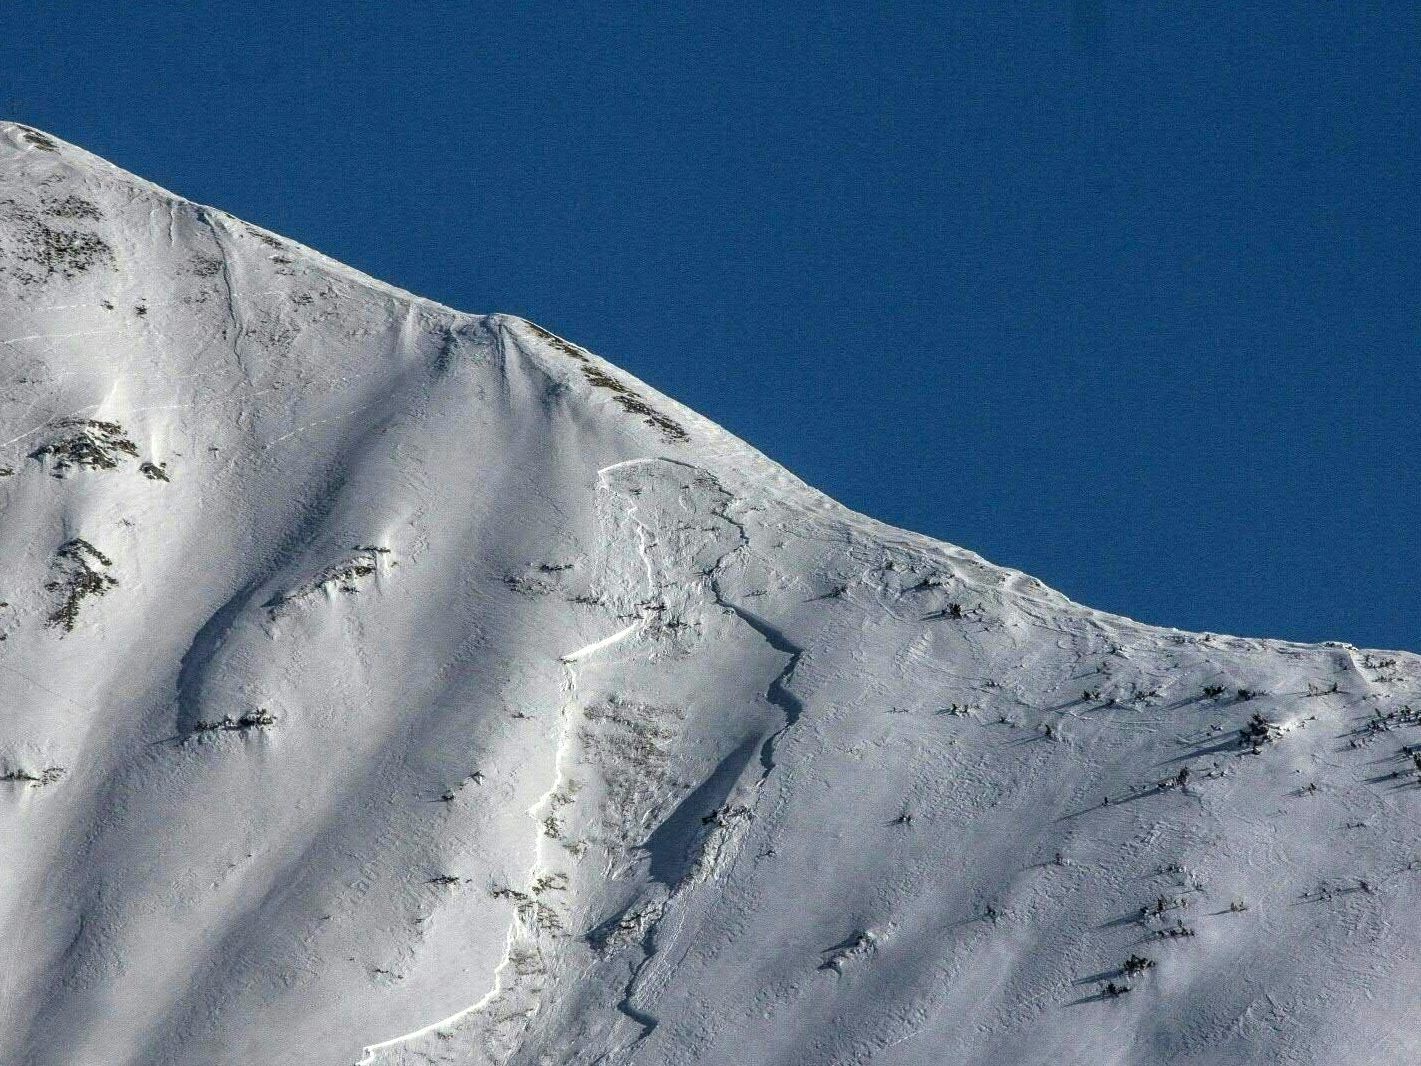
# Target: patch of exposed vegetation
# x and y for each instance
(1135, 965)
(528, 584)
(205, 266)
(629, 926)
(266, 238)
(531, 911)
(73, 206)
(538, 580)
(553, 882)
(1259, 730)
(956, 612)
(526, 962)
(48, 776)
(629, 399)
(863, 944)
(81, 569)
(155, 472)
(449, 795)
(631, 743)
(632, 403)
(343, 576)
(44, 250)
(86, 443)
(261, 718)
(36, 139)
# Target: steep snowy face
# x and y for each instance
(388, 684)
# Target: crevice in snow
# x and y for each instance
(778, 694)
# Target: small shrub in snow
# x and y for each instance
(1259, 730)
(1176, 931)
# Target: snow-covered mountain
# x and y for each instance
(393, 685)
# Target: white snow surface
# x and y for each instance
(458, 698)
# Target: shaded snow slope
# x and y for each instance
(389, 684)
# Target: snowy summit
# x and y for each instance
(388, 685)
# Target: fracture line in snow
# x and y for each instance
(368, 1053)
(605, 642)
(626, 463)
(778, 694)
(645, 540)
(544, 802)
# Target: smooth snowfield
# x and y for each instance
(391, 685)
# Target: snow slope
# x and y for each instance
(392, 685)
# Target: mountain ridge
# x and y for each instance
(391, 684)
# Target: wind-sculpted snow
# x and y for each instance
(448, 696)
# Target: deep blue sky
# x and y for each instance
(1120, 292)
